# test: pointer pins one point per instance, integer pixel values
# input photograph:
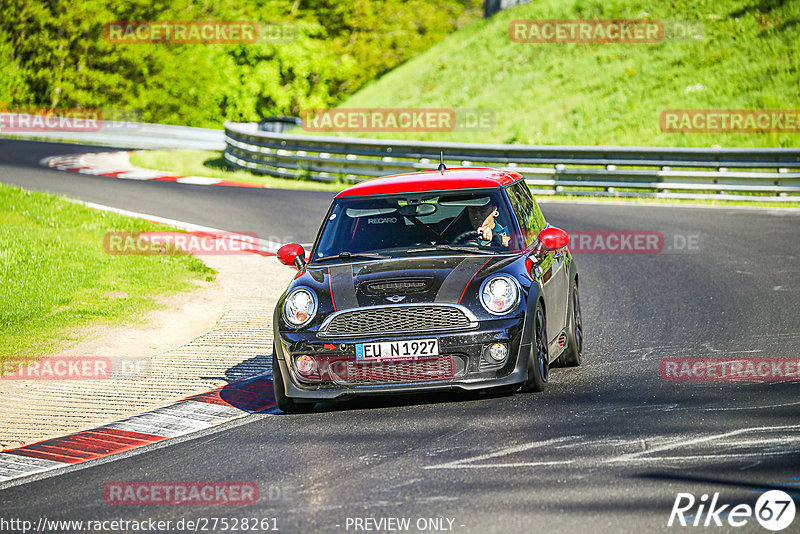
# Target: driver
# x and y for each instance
(489, 230)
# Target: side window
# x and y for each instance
(526, 210)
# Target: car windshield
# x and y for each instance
(476, 221)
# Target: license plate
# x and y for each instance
(397, 349)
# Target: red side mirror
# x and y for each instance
(553, 238)
(292, 254)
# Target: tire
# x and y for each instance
(538, 359)
(573, 354)
(285, 404)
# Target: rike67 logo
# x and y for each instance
(774, 510)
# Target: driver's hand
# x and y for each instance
(484, 233)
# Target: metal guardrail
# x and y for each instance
(719, 173)
(121, 134)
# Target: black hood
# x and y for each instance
(405, 281)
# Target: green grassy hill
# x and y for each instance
(606, 94)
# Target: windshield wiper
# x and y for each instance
(345, 255)
(451, 248)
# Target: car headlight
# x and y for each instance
(500, 294)
(300, 306)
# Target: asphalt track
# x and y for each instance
(606, 448)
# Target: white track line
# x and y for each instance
(469, 462)
(263, 244)
(704, 439)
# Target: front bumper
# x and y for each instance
(462, 364)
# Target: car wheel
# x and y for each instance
(574, 352)
(285, 404)
(538, 360)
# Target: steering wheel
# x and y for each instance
(463, 237)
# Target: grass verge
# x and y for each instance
(211, 163)
(670, 201)
(56, 276)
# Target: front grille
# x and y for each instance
(440, 368)
(396, 320)
(344, 371)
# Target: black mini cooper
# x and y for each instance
(433, 280)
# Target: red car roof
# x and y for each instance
(415, 182)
